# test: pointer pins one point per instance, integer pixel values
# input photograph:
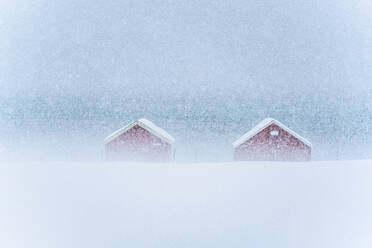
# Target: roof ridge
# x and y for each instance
(264, 124)
(147, 125)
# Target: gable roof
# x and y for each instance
(264, 124)
(145, 124)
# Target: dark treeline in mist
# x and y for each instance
(337, 123)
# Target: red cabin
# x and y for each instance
(141, 140)
(271, 140)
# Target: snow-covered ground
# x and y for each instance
(261, 204)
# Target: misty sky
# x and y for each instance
(219, 66)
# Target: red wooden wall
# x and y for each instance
(138, 144)
(264, 146)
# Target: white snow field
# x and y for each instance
(257, 204)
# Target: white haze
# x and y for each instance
(72, 72)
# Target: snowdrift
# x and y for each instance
(256, 204)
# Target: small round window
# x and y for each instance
(274, 133)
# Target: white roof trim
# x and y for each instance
(146, 124)
(264, 124)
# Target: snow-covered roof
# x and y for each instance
(147, 125)
(264, 124)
